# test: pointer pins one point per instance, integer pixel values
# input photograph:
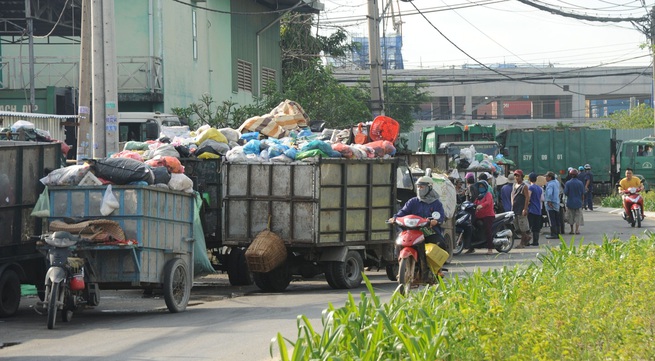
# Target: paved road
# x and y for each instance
(223, 322)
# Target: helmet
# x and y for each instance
(425, 181)
(587, 166)
(573, 172)
(580, 168)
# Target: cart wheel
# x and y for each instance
(177, 286)
(237, 268)
(392, 271)
(9, 293)
(276, 280)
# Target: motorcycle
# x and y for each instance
(410, 236)
(67, 286)
(466, 226)
(633, 201)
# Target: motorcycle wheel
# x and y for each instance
(509, 246)
(459, 244)
(638, 217)
(405, 274)
(52, 304)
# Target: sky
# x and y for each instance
(503, 31)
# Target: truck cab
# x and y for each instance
(142, 126)
(640, 156)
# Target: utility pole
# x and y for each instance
(103, 84)
(30, 49)
(84, 135)
(377, 93)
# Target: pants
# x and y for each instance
(535, 222)
(487, 224)
(589, 200)
(554, 223)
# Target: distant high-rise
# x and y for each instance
(391, 52)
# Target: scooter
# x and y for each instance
(67, 286)
(633, 201)
(466, 226)
(410, 236)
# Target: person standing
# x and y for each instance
(534, 208)
(484, 211)
(520, 203)
(551, 199)
(589, 188)
(574, 191)
(471, 190)
(506, 194)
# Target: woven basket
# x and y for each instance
(266, 252)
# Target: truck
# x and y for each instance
(142, 126)
(22, 164)
(331, 215)
(433, 137)
(555, 149)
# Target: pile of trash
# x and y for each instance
(470, 160)
(282, 135)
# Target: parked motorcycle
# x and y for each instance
(466, 225)
(633, 201)
(410, 236)
(67, 286)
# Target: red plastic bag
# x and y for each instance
(384, 128)
(360, 137)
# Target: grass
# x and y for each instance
(583, 302)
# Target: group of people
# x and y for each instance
(525, 199)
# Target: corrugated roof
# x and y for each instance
(35, 115)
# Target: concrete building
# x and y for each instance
(169, 52)
(568, 94)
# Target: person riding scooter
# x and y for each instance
(628, 182)
(424, 205)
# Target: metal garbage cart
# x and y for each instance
(159, 224)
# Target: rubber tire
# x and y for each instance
(392, 272)
(406, 267)
(52, 305)
(9, 293)
(177, 285)
(348, 274)
(459, 244)
(329, 276)
(511, 242)
(638, 214)
(237, 268)
(276, 280)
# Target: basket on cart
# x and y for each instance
(266, 252)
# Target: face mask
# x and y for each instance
(422, 192)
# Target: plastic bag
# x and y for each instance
(42, 206)
(109, 202)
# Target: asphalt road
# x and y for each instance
(230, 323)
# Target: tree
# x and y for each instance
(635, 118)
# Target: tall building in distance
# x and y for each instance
(391, 52)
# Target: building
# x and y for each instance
(168, 53)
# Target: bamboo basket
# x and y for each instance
(266, 252)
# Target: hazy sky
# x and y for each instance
(504, 31)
